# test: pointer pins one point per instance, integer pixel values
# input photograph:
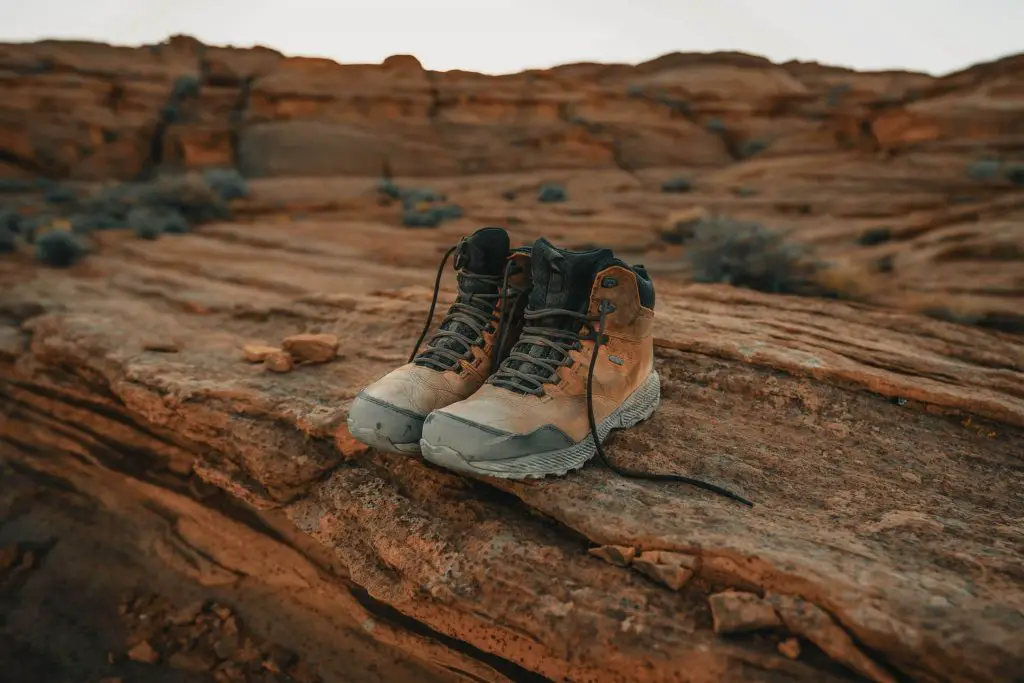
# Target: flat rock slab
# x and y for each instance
(896, 522)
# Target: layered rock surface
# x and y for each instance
(93, 111)
(882, 450)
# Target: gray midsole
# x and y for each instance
(639, 406)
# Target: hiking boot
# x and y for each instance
(473, 338)
(584, 365)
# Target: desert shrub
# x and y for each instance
(676, 185)
(418, 195)
(389, 189)
(449, 211)
(745, 192)
(194, 200)
(747, 255)
(836, 93)
(227, 182)
(875, 236)
(149, 223)
(10, 226)
(983, 170)
(635, 91)
(751, 148)
(60, 249)
(681, 107)
(429, 218)
(85, 223)
(16, 185)
(59, 194)
(1015, 174)
(551, 192)
(185, 86)
(715, 125)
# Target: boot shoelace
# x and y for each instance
(532, 381)
(463, 311)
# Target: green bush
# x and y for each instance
(60, 249)
(184, 86)
(984, 170)
(13, 185)
(227, 182)
(85, 223)
(635, 91)
(745, 192)
(413, 196)
(746, 255)
(715, 125)
(551, 193)
(875, 236)
(430, 218)
(389, 189)
(59, 194)
(449, 211)
(752, 148)
(676, 185)
(836, 93)
(194, 200)
(149, 223)
(10, 226)
(1015, 174)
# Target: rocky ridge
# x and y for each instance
(92, 111)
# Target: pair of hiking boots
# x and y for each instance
(544, 352)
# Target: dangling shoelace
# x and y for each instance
(532, 380)
(463, 311)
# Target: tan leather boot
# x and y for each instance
(583, 366)
(494, 282)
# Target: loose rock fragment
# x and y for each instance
(790, 647)
(195, 662)
(161, 345)
(816, 625)
(143, 652)
(279, 361)
(257, 353)
(738, 612)
(619, 555)
(312, 348)
(668, 568)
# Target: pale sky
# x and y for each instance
(502, 36)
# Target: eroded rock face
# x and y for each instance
(92, 111)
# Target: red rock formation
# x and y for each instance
(881, 447)
(93, 111)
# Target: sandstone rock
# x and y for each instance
(143, 652)
(194, 662)
(790, 647)
(670, 569)
(814, 624)
(311, 348)
(737, 612)
(256, 353)
(278, 361)
(620, 556)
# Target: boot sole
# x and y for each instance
(639, 406)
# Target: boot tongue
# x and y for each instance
(482, 253)
(561, 280)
